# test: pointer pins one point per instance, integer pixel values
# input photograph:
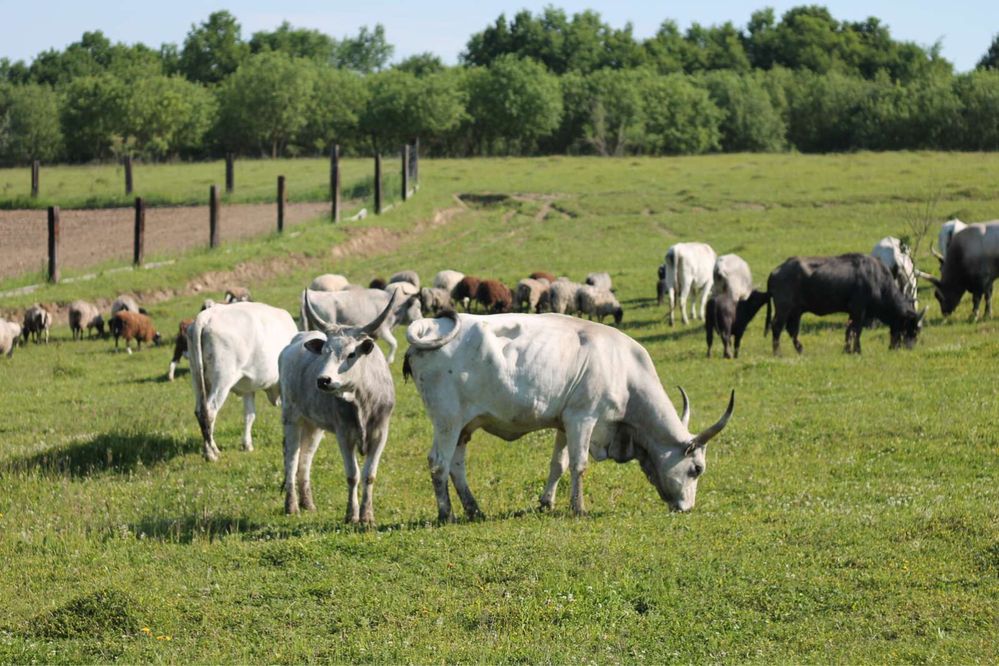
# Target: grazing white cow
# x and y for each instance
(947, 231)
(447, 279)
(689, 270)
(235, 348)
(357, 307)
(329, 282)
(891, 252)
(732, 276)
(336, 380)
(513, 374)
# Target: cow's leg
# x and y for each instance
(292, 445)
(208, 411)
(445, 443)
(578, 431)
(385, 333)
(709, 332)
(684, 295)
(705, 295)
(671, 295)
(726, 337)
(976, 299)
(460, 482)
(776, 328)
(557, 467)
(351, 472)
(988, 299)
(308, 443)
(376, 445)
(249, 416)
(793, 326)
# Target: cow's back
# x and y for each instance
(245, 337)
(354, 307)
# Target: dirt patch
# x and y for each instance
(90, 237)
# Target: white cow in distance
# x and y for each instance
(512, 374)
(732, 276)
(896, 258)
(235, 348)
(688, 271)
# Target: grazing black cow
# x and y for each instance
(857, 284)
(728, 317)
(971, 264)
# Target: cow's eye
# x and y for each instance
(351, 355)
(696, 471)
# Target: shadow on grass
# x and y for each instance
(185, 529)
(113, 452)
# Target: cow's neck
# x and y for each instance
(654, 419)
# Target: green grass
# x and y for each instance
(180, 183)
(849, 513)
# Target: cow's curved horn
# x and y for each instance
(376, 323)
(425, 344)
(936, 253)
(314, 316)
(685, 416)
(923, 274)
(922, 315)
(704, 437)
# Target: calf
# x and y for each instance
(235, 348)
(338, 381)
(494, 296)
(37, 322)
(133, 326)
(730, 318)
(179, 347)
(85, 316)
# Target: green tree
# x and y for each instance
(978, 92)
(749, 122)
(681, 118)
(366, 53)
(29, 124)
(168, 115)
(421, 64)
(298, 42)
(93, 116)
(515, 101)
(824, 111)
(213, 50)
(339, 97)
(616, 119)
(264, 103)
(402, 107)
(991, 58)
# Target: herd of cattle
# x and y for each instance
(511, 373)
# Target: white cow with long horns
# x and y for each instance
(516, 373)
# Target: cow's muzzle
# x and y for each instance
(328, 384)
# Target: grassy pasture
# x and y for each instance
(849, 513)
(175, 184)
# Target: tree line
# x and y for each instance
(534, 84)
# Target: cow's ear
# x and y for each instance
(315, 345)
(366, 346)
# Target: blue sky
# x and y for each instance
(964, 27)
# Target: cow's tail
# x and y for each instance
(766, 322)
(196, 358)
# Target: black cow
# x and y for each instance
(857, 284)
(728, 317)
(972, 264)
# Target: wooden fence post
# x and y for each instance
(53, 243)
(128, 175)
(35, 170)
(139, 244)
(335, 181)
(229, 173)
(416, 161)
(213, 216)
(405, 172)
(378, 184)
(282, 197)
